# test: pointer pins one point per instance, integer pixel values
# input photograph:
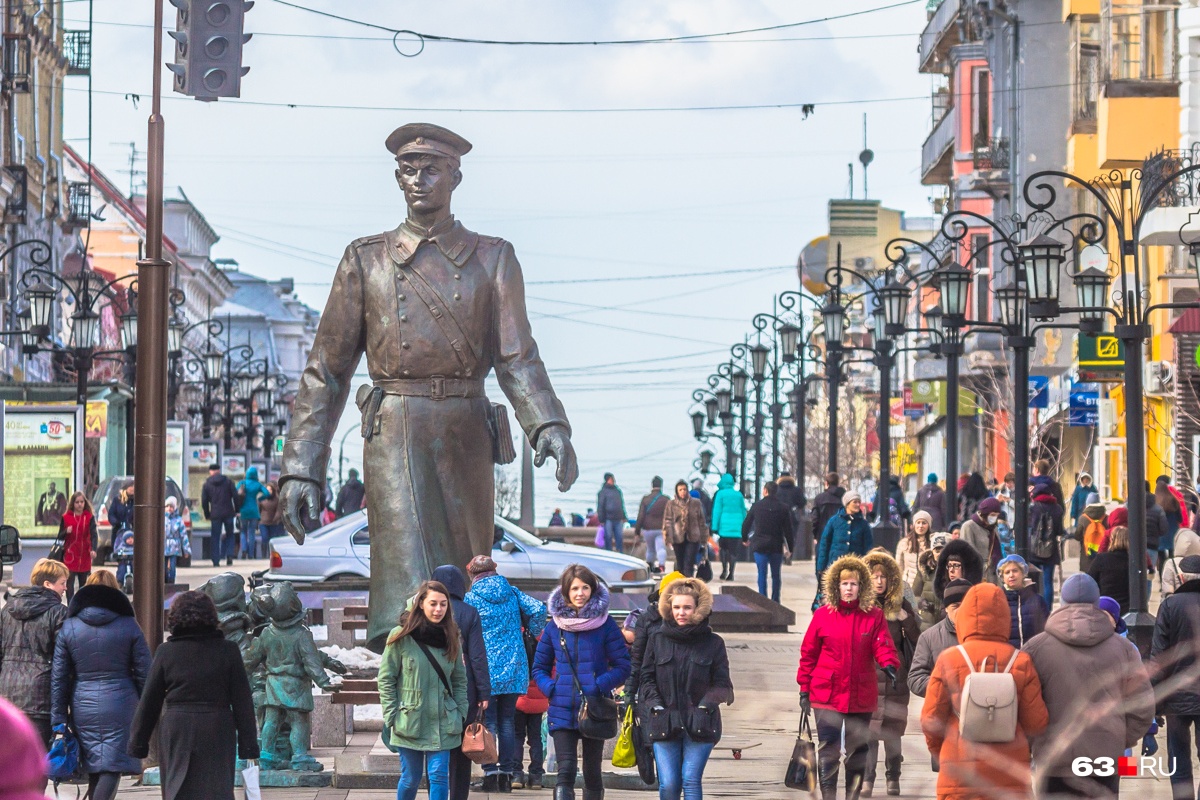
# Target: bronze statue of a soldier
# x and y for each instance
(435, 307)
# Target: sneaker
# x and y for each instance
(518, 780)
(534, 781)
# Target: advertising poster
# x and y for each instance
(177, 451)
(200, 455)
(40, 467)
(234, 465)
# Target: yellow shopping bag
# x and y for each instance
(624, 754)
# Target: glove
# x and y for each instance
(805, 705)
(891, 673)
(1149, 745)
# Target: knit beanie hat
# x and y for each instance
(1190, 565)
(480, 565)
(931, 477)
(1114, 610)
(1093, 498)
(938, 540)
(1080, 588)
(1013, 559)
(850, 497)
(925, 515)
(955, 591)
(668, 579)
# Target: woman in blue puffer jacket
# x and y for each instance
(100, 666)
(581, 643)
(503, 611)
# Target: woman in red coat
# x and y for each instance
(847, 638)
(78, 534)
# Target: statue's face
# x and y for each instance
(427, 182)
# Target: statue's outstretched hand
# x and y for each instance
(301, 501)
(555, 442)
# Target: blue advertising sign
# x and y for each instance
(1039, 391)
(1084, 409)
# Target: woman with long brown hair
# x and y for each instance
(77, 531)
(423, 690)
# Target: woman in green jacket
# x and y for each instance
(423, 690)
(728, 511)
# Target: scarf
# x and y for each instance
(579, 624)
(430, 635)
(681, 522)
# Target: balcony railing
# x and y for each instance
(990, 154)
(79, 202)
(936, 149)
(940, 34)
(943, 101)
(1183, 191)
(77, 47)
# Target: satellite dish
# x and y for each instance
(866, 156)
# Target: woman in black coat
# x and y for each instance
(1110, 568)
(685, 678)
(100, 666)
(199, 677)
(771, 522)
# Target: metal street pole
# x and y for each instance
(1139, 620)
(758, 439)
(887, 535)
(801, 412)
(834, 370)
(952, 348)
(1021, 346)
(150, 392)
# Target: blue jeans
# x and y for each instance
(680, 765)
(412, 766)
(170, 573)
(613, 539)
(775, 561)
(269, 532)
(500, 719)
(221, 546)
(1048, 583)
(249, 536)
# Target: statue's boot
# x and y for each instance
(306, 763)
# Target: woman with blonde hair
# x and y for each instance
(423, 690)
(103, 577)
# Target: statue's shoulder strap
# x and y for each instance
(378, 239)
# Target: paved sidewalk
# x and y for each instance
(766, 710)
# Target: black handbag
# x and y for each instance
(598, 717)
(802, 769)
(58, 550)
(527, 638)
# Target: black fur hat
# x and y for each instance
(959, 550)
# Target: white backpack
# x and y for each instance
(989, 703)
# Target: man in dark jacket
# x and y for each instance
(1174, 672)
(826, 505)
(649, 525)
(610, 510)
(941, 636)
(29, 627)
(218, 500)
(350, 497)
(1046, 527)
(1042, 482)
(932, 500)
(882, 507)
(479, 682)
(704, 497)
(771, 522)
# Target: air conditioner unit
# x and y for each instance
(1107, 426)
(1158, 377)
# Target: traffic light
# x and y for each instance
(208, 47)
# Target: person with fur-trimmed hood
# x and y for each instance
(847, 638)
(891, 716)
(959, 560)
(929, 604)
(685, 678)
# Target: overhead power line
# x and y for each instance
(433, 37)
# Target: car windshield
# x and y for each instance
(519, 535)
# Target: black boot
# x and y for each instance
(854, 785)
(505, 783)
(892, 774)
(564, 793)
(490, 784)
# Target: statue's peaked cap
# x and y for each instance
(424, 137)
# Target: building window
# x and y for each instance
(981, 91)
(1085, 66)
(1139, 41)
(981, 252)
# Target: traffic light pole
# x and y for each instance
(150, 390)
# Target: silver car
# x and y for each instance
(342, 550)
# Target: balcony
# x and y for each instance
(940, 34)
(990, 154)
(79, 203)
(1173, 214)
(937, 153)
(77, 47)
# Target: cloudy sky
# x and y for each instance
(649, 238)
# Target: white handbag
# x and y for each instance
(250, 781)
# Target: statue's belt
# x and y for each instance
(435, 388)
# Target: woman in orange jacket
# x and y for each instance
(972, 770)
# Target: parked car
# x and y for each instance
(341, 550)
(108, 492)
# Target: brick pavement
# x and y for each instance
(766, 710)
